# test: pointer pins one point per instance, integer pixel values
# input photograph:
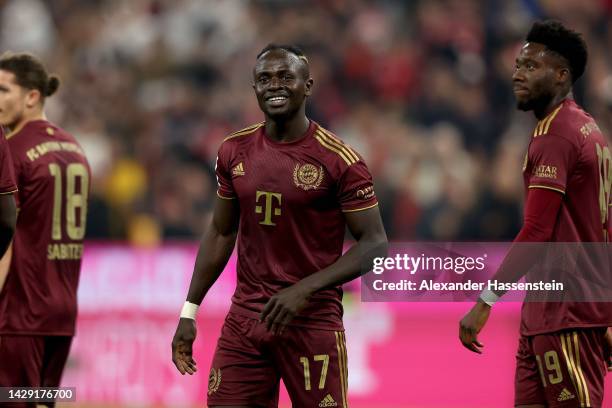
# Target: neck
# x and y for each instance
(287, 130)
(25, 119)
(544, 111)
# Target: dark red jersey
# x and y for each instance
(292, 197)
(569, 154)
(7, 174)
(53, 176)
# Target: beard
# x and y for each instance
(538, 103)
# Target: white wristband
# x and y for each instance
(489, 297)
(189, 310)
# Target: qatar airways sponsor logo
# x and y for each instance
(545, 171)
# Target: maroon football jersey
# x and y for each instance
(569, 154)
(39, 295)
(7, 174)
(292, 197)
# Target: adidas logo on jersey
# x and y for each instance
(328, 401)
(238, 169)
(565, 395)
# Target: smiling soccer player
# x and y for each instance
(287, 189)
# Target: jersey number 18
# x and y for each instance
(75, 202)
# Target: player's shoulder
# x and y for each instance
(568, 121)
(242, 135)
(333, 150)
(238, 140)
(33, 130)
(43, 139)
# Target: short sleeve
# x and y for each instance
(225, 188)
(551, 157)
(7, 172)
(356, 189)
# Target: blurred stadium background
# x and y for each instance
(421, 88)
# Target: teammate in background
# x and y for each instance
(38, 303)
(8, 187)
(561, 359)
(287, 189)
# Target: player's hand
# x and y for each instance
(283, 307)
(182, 346)
(471, 324)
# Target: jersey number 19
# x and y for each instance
(605, 180)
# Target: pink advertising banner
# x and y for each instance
(400, 354)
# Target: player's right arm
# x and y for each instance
(544, 199)
(215, 249)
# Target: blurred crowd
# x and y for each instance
(420, 88)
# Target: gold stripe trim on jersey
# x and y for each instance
(340, 345)
(547, 187)
(536, 131)
(360, 209)
(333, 149)
(9, 192)
(245, 131)
(587, 401)
(543, 125)
(551, 118)
(570, 367)
(345, 393)
(248, 128)
(225, 198)
(339, 143)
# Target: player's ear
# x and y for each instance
(32, 98)
(309, 83)
(564, 75)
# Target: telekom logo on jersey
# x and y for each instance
(270, 205)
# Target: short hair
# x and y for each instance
(292, 49)
(565, 42)
(30, 73)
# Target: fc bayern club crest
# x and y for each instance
(307, 176)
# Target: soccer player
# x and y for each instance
(38, 304)
(287, 189)
(561, 359)
(8, 187)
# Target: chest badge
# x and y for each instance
(307, 176)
